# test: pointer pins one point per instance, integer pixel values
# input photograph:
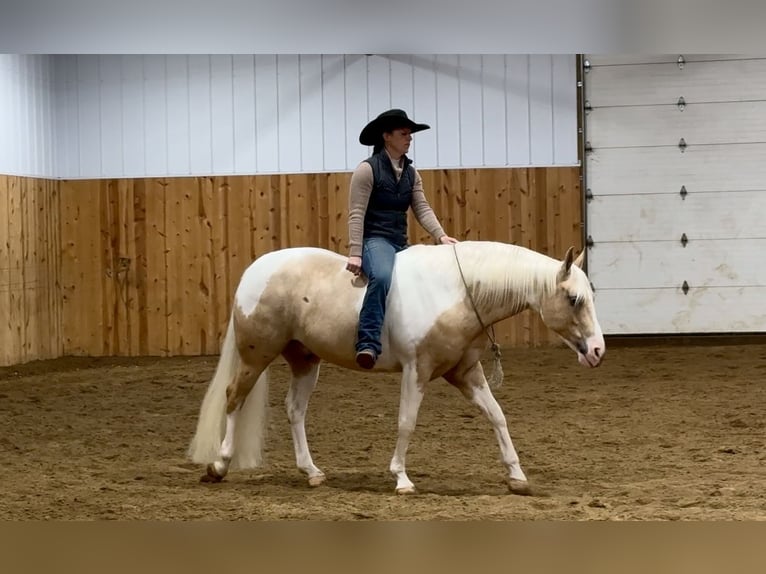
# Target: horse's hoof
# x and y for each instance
(211, 475)
(317, 480)
(520, 487)
(404, 490)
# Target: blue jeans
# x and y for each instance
(378, 256)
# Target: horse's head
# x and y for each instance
(570, 312)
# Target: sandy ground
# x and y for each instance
(657, 433)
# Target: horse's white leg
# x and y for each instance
(297, 401)
(236, 393)
(304, 366)
(409, 403)
(473, 385)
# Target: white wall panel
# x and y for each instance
(447, 111)
(200, 115)
(424, 109)
(334, 112)
(662, 217)
(540, 110)
(517, 71)
(649, 84)
(357, 113)
(470, 90)
(638, 216)
(133, 128)
(89, 115)
(222, 113)
(669, 311)
(667, 264)
(243, 96)
(378, 84)
(289, 125)
(155, 115)
(665, 169)
(564, 109)
(112, 153)
(718, 123)
(311, 127)
(92, 116)
(26, 115)
(402, 78)
(493, 109)
(179, 141)
(266, 114)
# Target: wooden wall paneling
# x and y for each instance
(109, 245)
(16, 265)
(29, 270)
(158, 240)
(81, 267)
(8, 336)
(264, 239)
(139, 277)
(322, 197)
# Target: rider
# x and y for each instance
(383, 187)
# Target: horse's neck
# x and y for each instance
(505, 280)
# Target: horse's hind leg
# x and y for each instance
(304, 366)
(411, 396)
(473, 385)
(236, 394)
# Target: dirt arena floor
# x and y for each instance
(656, 433)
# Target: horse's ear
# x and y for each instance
(566, 265)
(580, 259)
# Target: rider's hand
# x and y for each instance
(354, 265)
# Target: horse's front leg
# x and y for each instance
(409, 403)
(473, 384)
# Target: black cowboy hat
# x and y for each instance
(385, 122)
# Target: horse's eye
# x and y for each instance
(573, 300)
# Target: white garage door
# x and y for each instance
(676, 167)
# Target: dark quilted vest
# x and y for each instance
(386, 214)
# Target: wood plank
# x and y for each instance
(82, 268)
(725, 215)
(628, 171)
(298, 210)
(141, 230)
(322, 211)
(108, 240)
(8, 354)
(53, 265)
(264, 239)
(698, 124)
(212, 263)
(158, 277)
(697, 82)
(128, 254)
(668, 311)
(176, 220)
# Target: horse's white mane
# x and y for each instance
(506, 275)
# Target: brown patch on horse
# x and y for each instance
(301, 360)
(295, 306)
(451, 342)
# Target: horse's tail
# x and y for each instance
(250, 430)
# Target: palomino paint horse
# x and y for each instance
(302, 304)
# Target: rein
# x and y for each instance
(496, 378)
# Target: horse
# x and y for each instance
(301, 303)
